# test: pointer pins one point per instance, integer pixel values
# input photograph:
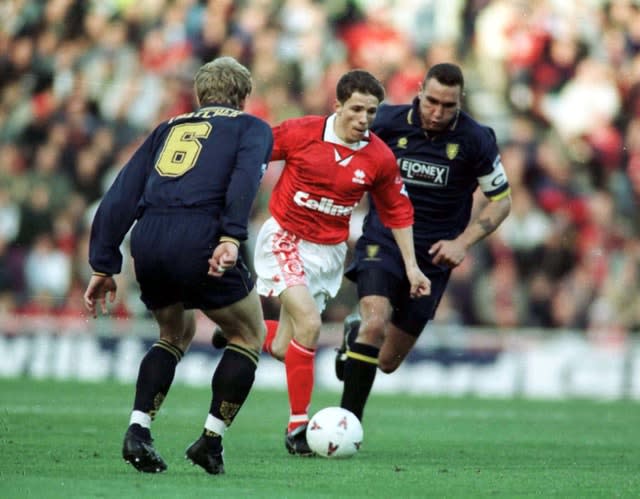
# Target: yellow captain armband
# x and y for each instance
(228, 239)
(101, 274)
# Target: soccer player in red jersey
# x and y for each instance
(330, 163)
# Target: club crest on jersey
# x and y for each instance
(340, 160)
(372, 252)
(452, 150)
(358, 177)
(402, 143)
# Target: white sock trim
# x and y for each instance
(141, 418)
(215, 425)
(298, 418)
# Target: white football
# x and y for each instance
(334, 432)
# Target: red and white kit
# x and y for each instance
(322, 181)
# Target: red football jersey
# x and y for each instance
(323, 179)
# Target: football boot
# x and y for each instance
(296, 441)
(206, 456)
(141, 454)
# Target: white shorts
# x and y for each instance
(283, 260)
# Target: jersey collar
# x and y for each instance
(330, 135)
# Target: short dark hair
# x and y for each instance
(446, 73)
(358, 80)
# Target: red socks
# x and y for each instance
(272, 328)
(298, 363)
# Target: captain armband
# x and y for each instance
(494, 183)
(229, 239)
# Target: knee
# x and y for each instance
(252, 341)
(372, 332)
(307, 330)
(388, 366)
(313, 323)
(278, 353)
(179, 335)
(248, 335)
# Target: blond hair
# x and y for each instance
(223, 81)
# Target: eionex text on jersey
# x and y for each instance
(424, 172)
(324, 205)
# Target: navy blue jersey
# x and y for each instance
(210, 160)
(440, 170)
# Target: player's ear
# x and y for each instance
(337, 106)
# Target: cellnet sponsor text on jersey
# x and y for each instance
(324, 205)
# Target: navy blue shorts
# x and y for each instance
(170, 254)
(379, 270)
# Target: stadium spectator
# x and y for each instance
(189, 189)
(47, 269)
(36, 217)
(9, 216)
(501, 296)
(524, 231)
(374, 42)
(48, 171)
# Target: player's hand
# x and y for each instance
(224, 257)
(99, 289)
(449, 253)
(420, 283)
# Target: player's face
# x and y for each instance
(438, 105)
(355, 115)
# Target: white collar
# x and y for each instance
(330, 136)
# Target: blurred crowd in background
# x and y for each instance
(83, 82)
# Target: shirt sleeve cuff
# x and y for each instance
(229, 239)
(101, 274)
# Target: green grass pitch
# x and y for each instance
(62, 439)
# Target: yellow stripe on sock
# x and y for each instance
(254, 356)
(172, 349)
(362, 358)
